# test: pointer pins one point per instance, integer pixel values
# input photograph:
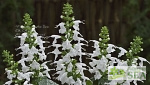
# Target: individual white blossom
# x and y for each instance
(22, 62)
(44, 65)
(40, 42)
(35, 65)
(22, 38)
(60, 64)
(26, 75)
(8, 82)
(27, 83)
(62, 29)
(96, 52)
(10, 75)
(81, 68)
(69, 68)
(25, 49)
(30, 56)
(76, 24)
(66, 45)
(76, 36)
(122, 51)
(56, 51)
(25, 68)
(111, 48)
(55, 38)
(142, 59)
(22, 26)
(34, 50)
(46, 73)
(42, 56)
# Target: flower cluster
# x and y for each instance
(68, 68)
(32, 51)
(69, 50)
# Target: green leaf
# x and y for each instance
(88, 82)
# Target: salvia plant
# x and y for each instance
(69, 50)
(32, 63)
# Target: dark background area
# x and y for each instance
(125, 19)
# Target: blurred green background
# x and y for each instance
(124, 18)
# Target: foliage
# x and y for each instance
(136, 13)
(69, 64)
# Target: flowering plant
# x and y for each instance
(33, 64)
(70, 67)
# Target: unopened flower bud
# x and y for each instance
(61, 16)
(22, 26)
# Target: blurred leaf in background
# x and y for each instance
(11, 12)
(136, 14)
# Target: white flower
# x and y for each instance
(24, 75)
(112, 82)
(22, 62)
(40, 42)
(22, 26)
(142, 59)
(33, 50)
(122, 51)
(10, 75)
(71, 80)
(96, 44)
(60, 64)
(112, 59)
(22, 38)
(25, 49)
(78, 82)
(66, 45)
(76, 37)
(97, 75)
(27, 83)
(73, 52)
(62, 29)
(8, 82)
(127, 82)
(20, 76)
(101, 64)
(135, 82)
(33, 26)
(121, 63)
(80, 67)
(46, 72)
(111, 48)
(42, 56)
(78, 48)
(30, 56)
(69, 68)
(44, 65)
(76, 24)
(96, 52)
(25, 68)
(56, 51)
(62, 76)
(67, 58)
(34, 34)
(35, 65)
(55, 38)
(41, 74)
